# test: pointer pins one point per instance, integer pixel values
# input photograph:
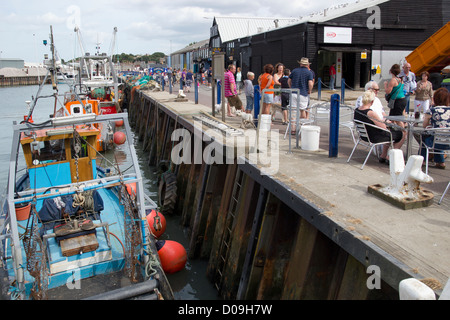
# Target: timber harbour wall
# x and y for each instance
(261, 239)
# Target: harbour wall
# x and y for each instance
(20, 81)
(262, 240)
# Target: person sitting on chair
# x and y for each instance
(437, 117)
(365, 114)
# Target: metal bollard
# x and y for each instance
(334, 126)
(256, 104)
(319, 89)
(219, 98)
(196, 89)
(342, 90)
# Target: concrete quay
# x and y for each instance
(416, 241)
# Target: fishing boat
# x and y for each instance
(73, 218)
(95, 90)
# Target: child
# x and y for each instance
(285, 95)
(248, 88)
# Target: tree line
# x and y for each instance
(128, 57)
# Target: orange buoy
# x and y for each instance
(173, 256)
(119, 123)
(119, 137)
(157, 223)
(131, 188)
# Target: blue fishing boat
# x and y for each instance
(74, 222)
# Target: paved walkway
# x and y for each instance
(419, 238)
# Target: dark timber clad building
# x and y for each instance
(364, 38)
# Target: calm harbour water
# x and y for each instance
(188, 284)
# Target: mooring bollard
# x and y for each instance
(334, 126)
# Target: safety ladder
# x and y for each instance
(228, 229)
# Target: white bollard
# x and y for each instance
(413, 289)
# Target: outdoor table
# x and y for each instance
(411, 121)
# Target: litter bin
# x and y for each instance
(310, 136)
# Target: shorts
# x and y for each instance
(284, 100)
(234, 101)
(399, 107)
(422, 106)
(250, 103)
(268, 98)
(303, 101)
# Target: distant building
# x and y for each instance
(11, 63)
(198, 52)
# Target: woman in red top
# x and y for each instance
(266, 82)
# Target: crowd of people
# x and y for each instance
(301, 78)
(434, 107)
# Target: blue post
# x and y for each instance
(334, 126)
(219, 98)
(256, 105)
(319, 89)
(163, 83)
(342, 90)
(196, 89)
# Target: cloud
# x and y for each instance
(144, 26)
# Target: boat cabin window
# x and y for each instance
(48, 151)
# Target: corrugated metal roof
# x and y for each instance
(192, 47)
(231, 28)
(340, 10)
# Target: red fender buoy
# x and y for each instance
(119, 137)
(157, 224)
(131, 189)
(119, 123)
(173, 256)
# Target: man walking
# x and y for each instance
(231, 90)
(409, 83)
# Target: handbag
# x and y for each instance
(390, 99)
(391, 104)
(387, 96)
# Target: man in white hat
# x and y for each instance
(300, 78)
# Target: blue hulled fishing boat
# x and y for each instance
(75, 222)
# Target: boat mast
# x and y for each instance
(53, 70)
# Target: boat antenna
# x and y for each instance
(53, 68)
(50, 71)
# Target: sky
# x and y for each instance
(143, 26)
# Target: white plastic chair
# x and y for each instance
(364, 139)
(321, 111)
(446, 189)
(441, 137)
